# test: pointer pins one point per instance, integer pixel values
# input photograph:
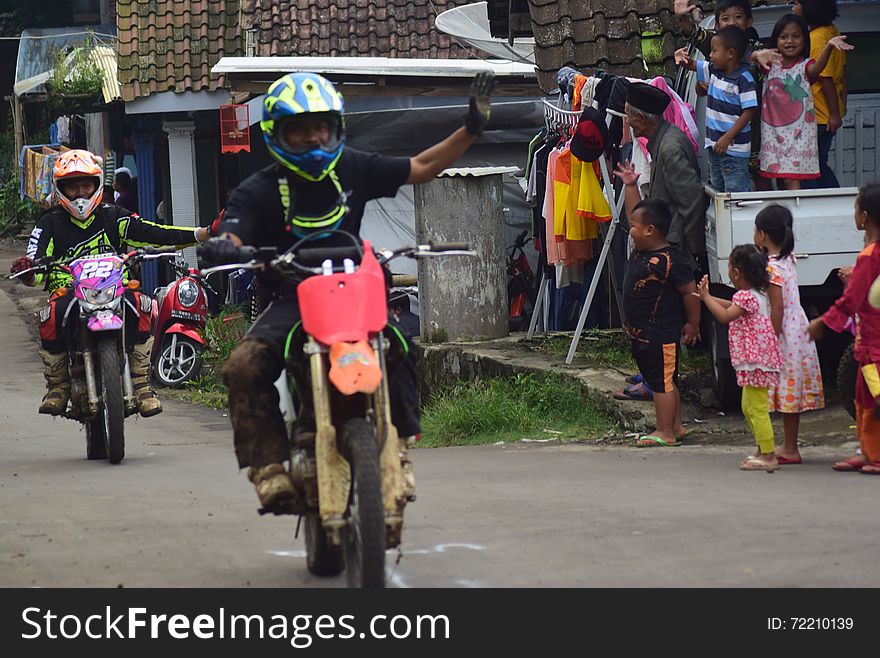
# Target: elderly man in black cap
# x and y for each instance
(675, 176)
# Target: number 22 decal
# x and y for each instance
(96, 268)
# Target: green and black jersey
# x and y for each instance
(110, 229)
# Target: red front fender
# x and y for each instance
(178, 328)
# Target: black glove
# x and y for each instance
(479, 107)
(219, 251)
(21, 264)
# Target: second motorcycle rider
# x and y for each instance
(83, 224)
(317, 185)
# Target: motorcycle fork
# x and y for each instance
(393, 499)
(91, 380)
(334, 475)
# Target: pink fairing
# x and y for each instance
(345, 307)
(97, 273)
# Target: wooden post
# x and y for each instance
(463, 297)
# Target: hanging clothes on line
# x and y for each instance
(35, 164)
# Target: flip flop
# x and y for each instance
(636, 392)
(752, 463)
(848, 465)
(873, 466)
(635, 379)
(655, 441)
(786, 460)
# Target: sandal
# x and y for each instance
(851, 464)
(637, 392)
(652, 441)
(752, 463)
(871, 468)
(635, 379)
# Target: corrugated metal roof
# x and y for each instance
(105, 59)
(476, 171)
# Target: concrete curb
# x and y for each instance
(443, 364)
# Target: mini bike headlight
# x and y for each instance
(99, 297)
(187, 293)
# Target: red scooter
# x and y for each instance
(180, 311)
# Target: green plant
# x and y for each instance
(76, 73)
(15, 213)
(76, 82)
(524, 406)
(222, 333)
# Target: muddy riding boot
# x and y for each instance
(147, 401)
(273, 484)
(58, 383)
(409, 476)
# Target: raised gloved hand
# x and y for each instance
(219, 251)
(214, 229)
(21, 264)
(479, 107)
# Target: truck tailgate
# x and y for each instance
(824, 229)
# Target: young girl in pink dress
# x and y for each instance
(800, 382)
(789, 137)
(754, 348)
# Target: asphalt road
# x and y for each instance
(178, 512)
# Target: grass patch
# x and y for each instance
(525, 406)
(608, 348)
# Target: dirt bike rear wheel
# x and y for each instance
(322, 559)
(364, 536)
(113, 406)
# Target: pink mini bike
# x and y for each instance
(101, 390)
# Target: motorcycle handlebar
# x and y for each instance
(449, 246)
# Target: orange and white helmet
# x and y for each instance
(77, 165)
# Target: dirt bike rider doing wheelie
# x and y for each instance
(317, 185)
(80, 225)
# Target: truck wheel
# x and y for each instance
(723, 374)
(847, 372)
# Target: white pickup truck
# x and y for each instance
(825, 234)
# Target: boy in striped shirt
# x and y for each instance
(731, 105)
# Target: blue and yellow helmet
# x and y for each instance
(292, 98)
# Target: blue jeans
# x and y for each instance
(728, 173)
(826, 176)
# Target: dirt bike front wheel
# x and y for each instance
(364, 536)
(322, 559)
(113, 406)
(96, 438)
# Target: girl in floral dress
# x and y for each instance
(754, 348)
(789, 138)
(800, 382)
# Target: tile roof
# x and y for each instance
(350, 28)
(606, 34)
(171, 45)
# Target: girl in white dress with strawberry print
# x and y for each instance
(789, 146)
